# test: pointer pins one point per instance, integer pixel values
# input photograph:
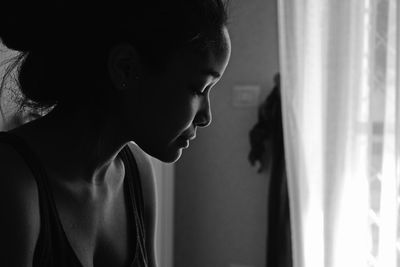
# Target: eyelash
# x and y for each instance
(201, 93)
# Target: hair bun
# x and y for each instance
(14, 34)
(23, 24)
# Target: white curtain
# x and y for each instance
(341, 113)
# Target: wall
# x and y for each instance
(220, 200)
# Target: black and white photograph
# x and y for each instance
(200, 133)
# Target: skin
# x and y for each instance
(154, 110)
(166, 95)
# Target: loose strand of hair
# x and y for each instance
(13, 64)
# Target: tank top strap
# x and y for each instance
(52, 245)
(136, 200)
(50, 233)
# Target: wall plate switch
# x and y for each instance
(246, 95)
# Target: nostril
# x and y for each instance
(204, 117)
(203, 124)
(206, 121)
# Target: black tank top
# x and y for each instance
(53, 248)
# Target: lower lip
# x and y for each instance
(183, 143)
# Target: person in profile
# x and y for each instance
(116, 81)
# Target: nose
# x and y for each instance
(204, 117)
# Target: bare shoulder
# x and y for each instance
(19, 206)
(146, 173)
(147, 179)
(144, 163)
(16, 179)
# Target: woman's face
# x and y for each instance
(171, 105)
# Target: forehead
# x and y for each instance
(212, 61)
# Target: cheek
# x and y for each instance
(168, 107)
(179, 113)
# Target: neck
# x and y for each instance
(77, 145)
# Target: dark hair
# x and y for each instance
(69, 43)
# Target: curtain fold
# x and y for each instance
(340, 105)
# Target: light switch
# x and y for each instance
(246, 95)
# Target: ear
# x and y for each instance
(123, 66)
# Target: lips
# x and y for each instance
(188, 137)
(183, 141)
(191, 137)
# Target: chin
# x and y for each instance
(169, 153)
(170, 156)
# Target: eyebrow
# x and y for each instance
(213, 73)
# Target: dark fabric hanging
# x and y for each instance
(279, 250)
(267, 147)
